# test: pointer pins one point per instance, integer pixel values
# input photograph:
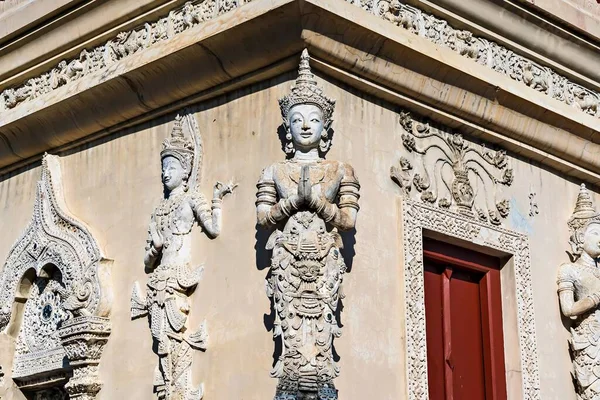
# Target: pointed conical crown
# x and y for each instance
(306, 91)
(585, 211)
(178, 146)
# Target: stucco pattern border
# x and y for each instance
(417, 217)
(483, 51)
(125, 44)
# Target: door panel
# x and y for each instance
(467, 341)
(463, 311)
(435, 337)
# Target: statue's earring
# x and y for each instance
(185, 186)
(325, 142)
(289, 148)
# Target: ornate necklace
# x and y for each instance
(166, 217)
(170, 204)
(590, 265)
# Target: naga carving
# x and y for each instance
(308, 198)
(58, 269)
(579, 294)
(449, 171)
(173, 278)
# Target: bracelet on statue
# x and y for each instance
(595, 298)
(329, 212)
(216, 203)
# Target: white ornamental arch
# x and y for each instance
(55, 278)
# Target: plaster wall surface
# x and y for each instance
(8, 4)
(114, 184)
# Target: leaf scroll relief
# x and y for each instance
(486, 52)
(124, 44)
(446, 170)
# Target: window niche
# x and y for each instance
(55, 299)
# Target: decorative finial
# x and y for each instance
(177, 128)
(179, 146)
(306, 91)
(305, 75)
(584, 212)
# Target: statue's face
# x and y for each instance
(591, 240)
(306, 124)
(173, 173)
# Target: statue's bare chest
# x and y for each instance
(324, 177)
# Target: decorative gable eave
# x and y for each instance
(360, 48)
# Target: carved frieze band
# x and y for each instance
(417, 217)
(123, 45)
(437, 30)
(485, 52)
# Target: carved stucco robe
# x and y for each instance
(307, 270)
(169, 286)
(583, 278)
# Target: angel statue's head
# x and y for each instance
(307, 112)
(177, 157)
(585, 226)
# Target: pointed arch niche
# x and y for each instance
(55, 297)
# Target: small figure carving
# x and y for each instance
(585, 101)
(168, 252)
(393, 13)
(313, 198)
(128, 43)
(13, 96)
(401, 175)
(464, 43)
(189, 15)
(535, 78)
(579, 294)
(64, 73)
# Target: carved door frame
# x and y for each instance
(419, 220)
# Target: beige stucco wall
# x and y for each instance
(113, 185)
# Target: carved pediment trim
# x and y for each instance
(80, 299)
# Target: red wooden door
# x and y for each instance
(463, 310)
